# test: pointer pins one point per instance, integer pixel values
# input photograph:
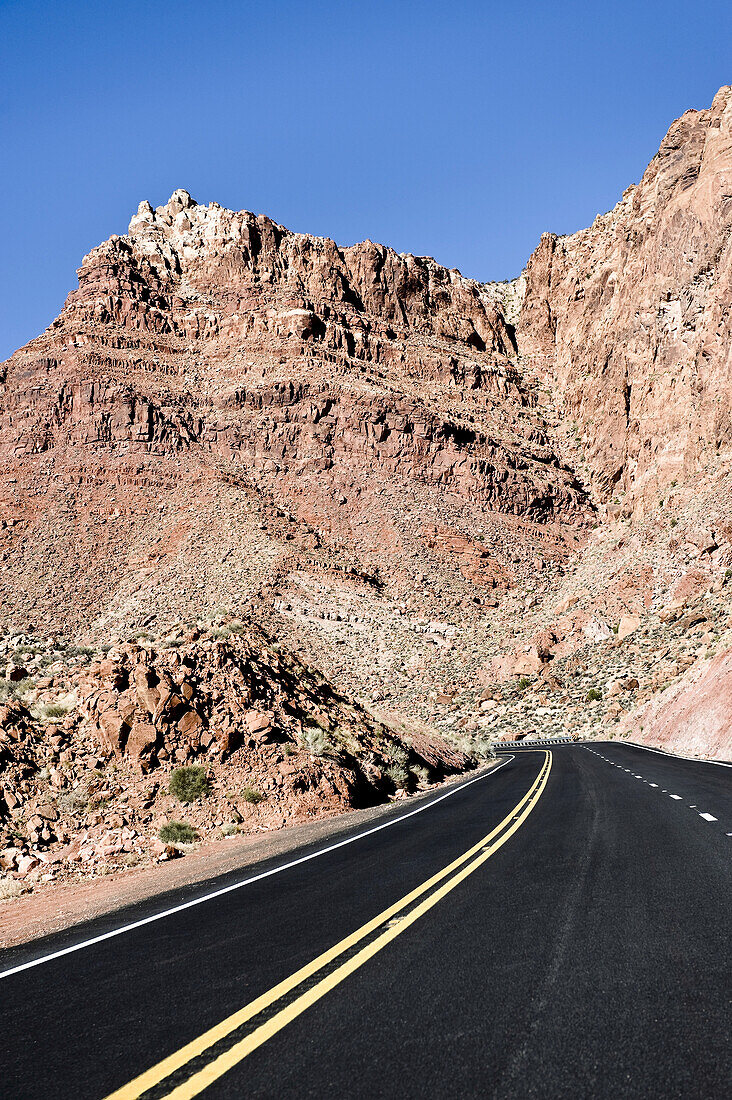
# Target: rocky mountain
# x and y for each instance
(477, 509)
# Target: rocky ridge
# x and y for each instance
(627, 323)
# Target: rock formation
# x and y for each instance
(629, 322)
(476, 508)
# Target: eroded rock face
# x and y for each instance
(630, 319)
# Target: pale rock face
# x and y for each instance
(694, 715)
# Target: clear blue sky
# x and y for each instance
(456, 129)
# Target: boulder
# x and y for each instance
(627, 624)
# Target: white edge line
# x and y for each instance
(246, 881)
(675, 755)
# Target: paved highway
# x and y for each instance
(556, 928)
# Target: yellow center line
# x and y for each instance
(218, 1066)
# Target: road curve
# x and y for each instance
(557, 928)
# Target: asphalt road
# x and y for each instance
(580, 951)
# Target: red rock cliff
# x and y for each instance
(630, 319)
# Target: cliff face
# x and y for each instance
(227, 337)
(209, 353)
(629, 321)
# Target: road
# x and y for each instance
(557, 928)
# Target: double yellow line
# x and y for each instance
(194, 1067)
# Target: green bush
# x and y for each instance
(249, 794)
(398, 774)
(317, 741)
(523, 683)
(54, 710)
(189, 783)
(593, 695)
(177, 832)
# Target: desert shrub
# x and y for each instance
(420, 773)
(483, 748)
(317, 740)
(593, 695)
(220, 632)
(396, 753)
(10, 888)
(249, 794)
(177, 832)
(22, 687)
(229, 829)
(523, 683)
(398, 774)
(189, 783)
(70, 802)
(54, 710)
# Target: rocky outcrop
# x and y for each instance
(212, 355)
(87, 751)
(225, 337)
(207, 697)
(629, 321)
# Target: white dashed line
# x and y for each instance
(676, 797)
